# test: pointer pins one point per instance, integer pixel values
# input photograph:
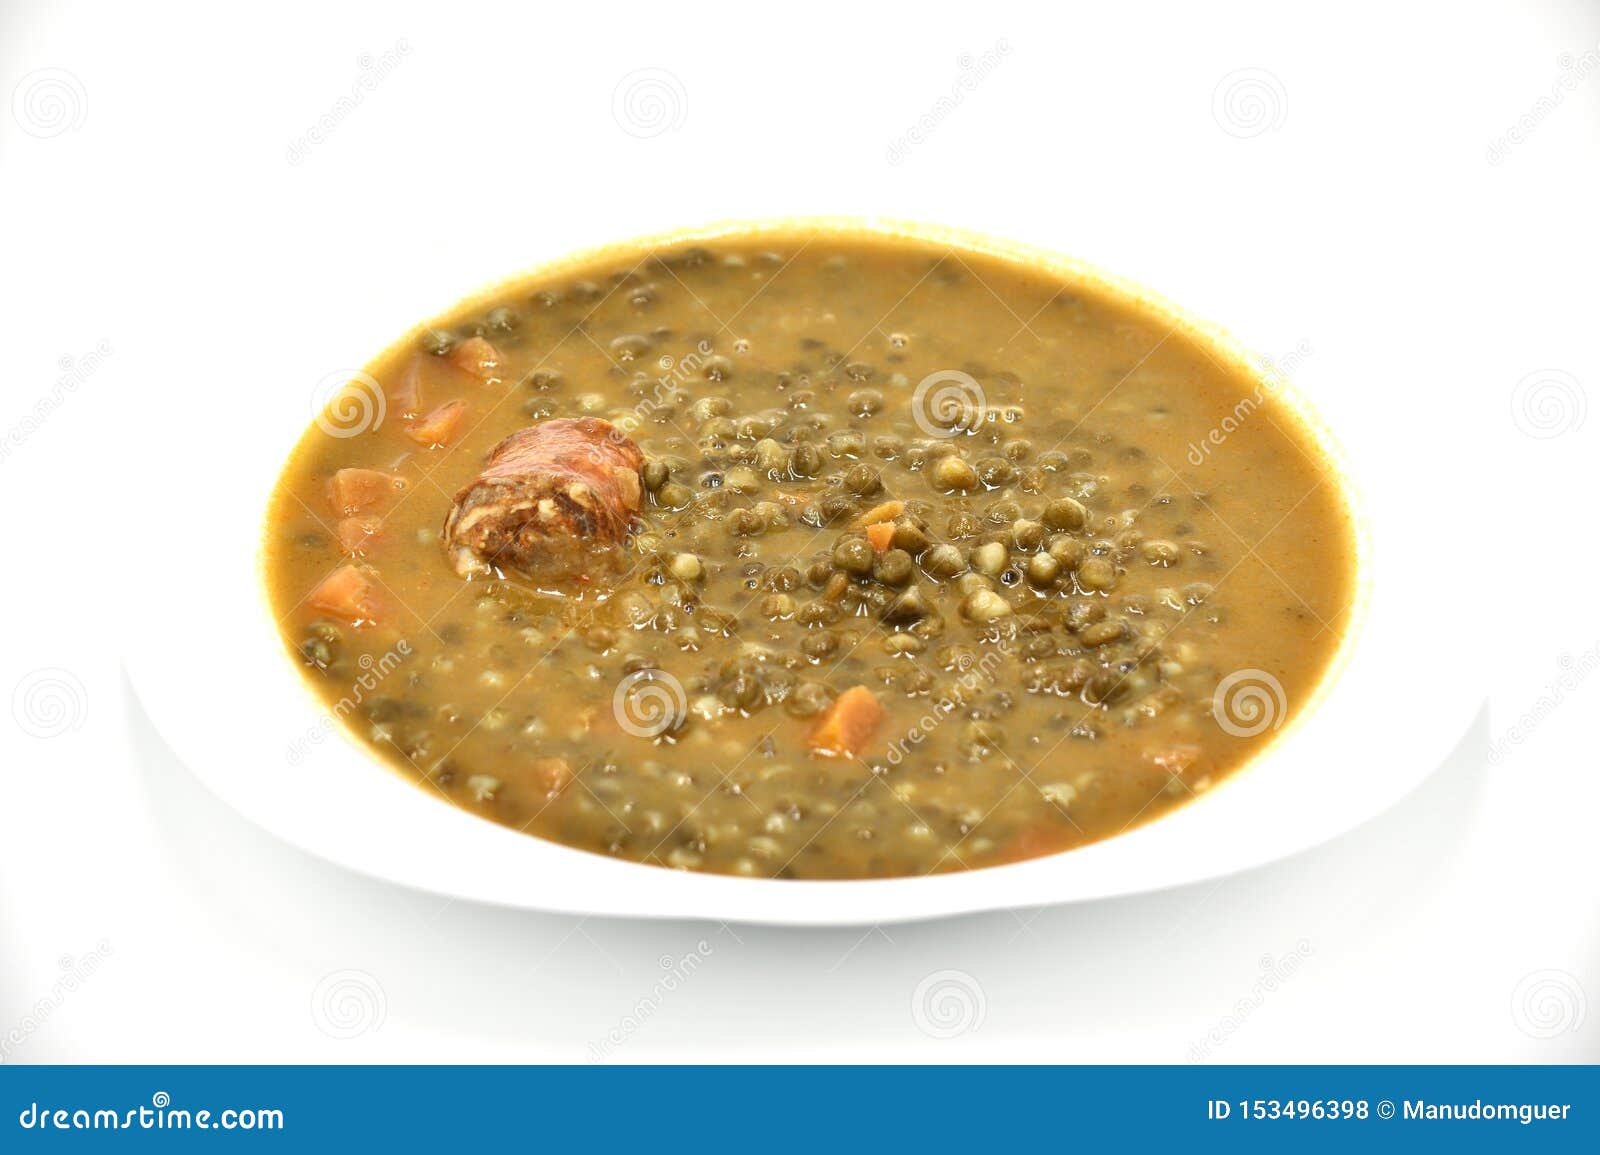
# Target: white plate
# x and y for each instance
(209, 666)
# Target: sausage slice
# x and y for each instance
(554, 503)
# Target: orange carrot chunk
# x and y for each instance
(886, 511)
(364, 490)
(440, 426)
(478, 357)
(881, 535)
(1033, 842)
(349, 592)
(357, 535)
(845, 727)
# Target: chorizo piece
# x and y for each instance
(554, 503)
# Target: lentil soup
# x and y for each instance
(811, 553)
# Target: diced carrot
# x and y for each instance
(881, 535)
(844, 728)
(358, 534)
(478, 357)
(364, 490)
(405, 396)
(1033, 842)
(349, 592)
(887, 511)
(438, 427)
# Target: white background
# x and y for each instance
(150, 203)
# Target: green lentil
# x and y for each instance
(818, 646)
(1065, 513)
(853, 555)
(1027, 535)
(943, 561)
(805, 460)
(674, 496)
(1042, 570)
(1066, 550)
(1096, 573)
(990, 558)
(1159, 552)
(863, 480)
(986, 606)
(1101, 633)
(808, 699)
(953, 473)
(909, 536)
(911, 606)
(893, 567)
(996, 472)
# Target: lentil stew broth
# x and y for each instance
(1103, 522)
